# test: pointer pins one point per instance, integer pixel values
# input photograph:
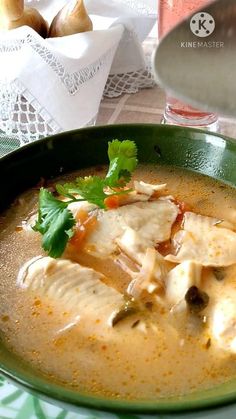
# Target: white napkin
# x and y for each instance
(60, 81)
(137, 16)
(53, 85)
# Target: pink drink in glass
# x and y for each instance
(170, 12)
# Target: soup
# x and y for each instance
(130, 310)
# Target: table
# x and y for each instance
(145, 106)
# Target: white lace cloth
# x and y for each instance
(131, 69)
(53, 85)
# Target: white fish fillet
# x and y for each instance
(76, 287)
(143, 223)
(180, 279)
(148, 188)
(222, 322)
(203, 242)
(151, 275)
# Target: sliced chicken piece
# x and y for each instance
(131, 243)
(147, 188)
(143, 223)
(76, 207)
(132, 197)
(151, 275)
(78, 288)
(126, 264)
(222, 321)
(29, 222)
(204, 241)
(142, 193)
(179, 280)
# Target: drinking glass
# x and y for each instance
(170, 12)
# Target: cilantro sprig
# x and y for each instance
(55, 221)
(90, 188)
(123, 161)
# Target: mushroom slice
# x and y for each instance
(76, 287)
(202, 240)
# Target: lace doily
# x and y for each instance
(130, 82)
(141, 7)
(72, 81)
(21, 115)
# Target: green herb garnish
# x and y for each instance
(89, 188)
(123, 161)
(55, 221)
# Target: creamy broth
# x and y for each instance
(173, 356)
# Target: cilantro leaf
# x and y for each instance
(63, 190)
(90, 188)
(123, 161)
(54, 222)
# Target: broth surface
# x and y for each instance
(125, 363)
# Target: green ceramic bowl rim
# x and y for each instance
(45, 140)
(55, 393)
(58, 395)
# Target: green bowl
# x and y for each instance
(203, 152)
